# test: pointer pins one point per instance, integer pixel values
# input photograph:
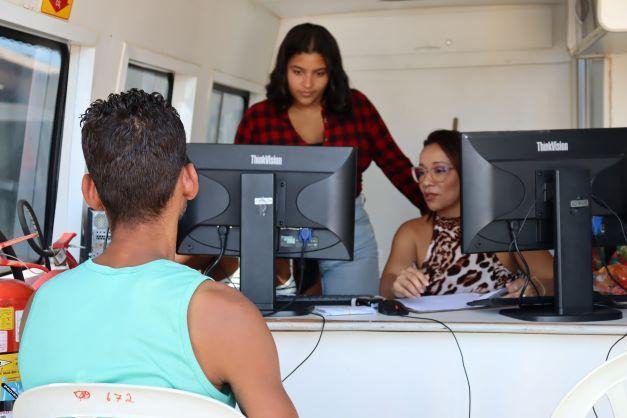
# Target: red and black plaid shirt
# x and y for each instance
(364, 129)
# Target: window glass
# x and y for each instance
(590, 92)
(596, 68)
(225, 112)
(150, 80)
(233, 107)
(33, 74)
(214, 115)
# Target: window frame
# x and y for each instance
(56, 140)
(146, 67)
(222, 88)
(586, 90)
(185, 79)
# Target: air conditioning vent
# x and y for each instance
(597, 26)
(586, 12)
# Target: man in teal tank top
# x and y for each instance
(133, 315)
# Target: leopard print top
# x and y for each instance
(451, 271)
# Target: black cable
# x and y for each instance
(606, 206)
(607, 356)
(312, 351)
(527, 270)
(614, 345)
(609, 273)
(106, 239)
(461, 354)
(300, 283)
(223, 235)
(514, 242)
(622, 226)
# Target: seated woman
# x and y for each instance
(426, 256)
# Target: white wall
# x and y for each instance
(198, 39)
(232, 37)
(618, 90)
(495, 68)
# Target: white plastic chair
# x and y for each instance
(116, 401)
(607, 379)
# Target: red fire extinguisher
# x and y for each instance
(14, 295)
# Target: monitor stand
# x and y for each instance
(258, 239)
(572, 262)
(288, 310)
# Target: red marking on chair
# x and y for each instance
(117, 397)
(81, 395)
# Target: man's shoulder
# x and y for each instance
(219, 300)
(219, 313)
(62, 278)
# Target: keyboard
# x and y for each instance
(318, 300)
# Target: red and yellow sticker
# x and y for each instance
(57, 8)
(8, 367)
(7, 322)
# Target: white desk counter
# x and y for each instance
(393, 367)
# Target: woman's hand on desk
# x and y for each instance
(515, 286)
(410, 283)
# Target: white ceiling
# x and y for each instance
(302, 8)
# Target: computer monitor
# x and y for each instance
(543, 187)
(266, 195)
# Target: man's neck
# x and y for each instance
(133, 245)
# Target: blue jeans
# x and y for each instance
(360, 276)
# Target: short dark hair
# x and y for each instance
(450, 143)
(309, 38)
(134, 147)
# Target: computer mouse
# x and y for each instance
(392, 307)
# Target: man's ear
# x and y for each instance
(189, 180)
(90, 193)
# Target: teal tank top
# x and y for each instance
(115, 325)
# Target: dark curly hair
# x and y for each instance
(134, 147)
(309, 38)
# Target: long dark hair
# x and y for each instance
(450, 143)
(309, 38)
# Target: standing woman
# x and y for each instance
(309, 102)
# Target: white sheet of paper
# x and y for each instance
(437, 303)
(494, 294)
(332, 310)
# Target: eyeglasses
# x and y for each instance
(438, 173)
